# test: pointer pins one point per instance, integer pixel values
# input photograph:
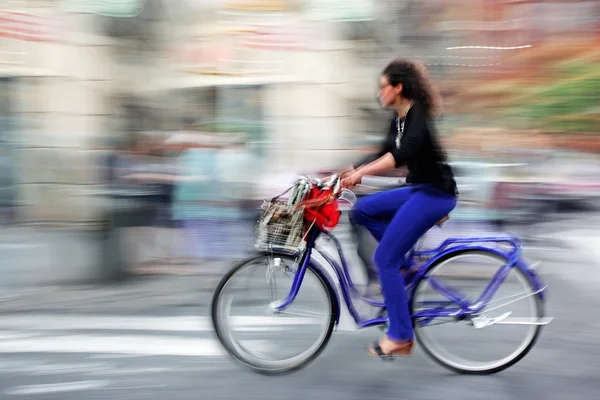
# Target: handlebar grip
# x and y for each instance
(334, 179)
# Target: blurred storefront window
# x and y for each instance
(108, 8)
(340, 10)
(7, 149)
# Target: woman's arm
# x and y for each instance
(383, 163)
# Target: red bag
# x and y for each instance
(321, 208)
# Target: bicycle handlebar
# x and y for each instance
(335, 183)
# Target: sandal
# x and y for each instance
(404, 350)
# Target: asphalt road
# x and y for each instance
(116, 357)
(175, 356)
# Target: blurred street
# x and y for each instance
(139, 138)
(567, 247)
(152, 338)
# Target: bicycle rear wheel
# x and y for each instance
(471, 345)
(262, 339)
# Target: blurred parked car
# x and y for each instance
(572, 178)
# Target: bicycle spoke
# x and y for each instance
(303, 313)
(523, 295)
(440, 323)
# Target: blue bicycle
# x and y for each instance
(461, 290)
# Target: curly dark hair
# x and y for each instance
(416, 84)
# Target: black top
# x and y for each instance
(419, 149)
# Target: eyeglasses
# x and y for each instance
(382, 87)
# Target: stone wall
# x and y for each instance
(64, 109)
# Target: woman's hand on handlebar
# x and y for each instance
(340, 174)
(352, 179)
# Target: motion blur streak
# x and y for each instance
(138, 139)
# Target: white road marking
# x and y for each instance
(125, 344)
(57, 388)
(164, 324)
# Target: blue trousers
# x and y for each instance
(397, 219)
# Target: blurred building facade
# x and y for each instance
(91, 64)
(298, 77)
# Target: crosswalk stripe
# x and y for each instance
(157, 324)
(132, 335)
(124, 344)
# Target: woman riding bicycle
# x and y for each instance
(398, 218)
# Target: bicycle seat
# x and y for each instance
(441, 221)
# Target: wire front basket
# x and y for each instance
(283, 225)
(280, 226)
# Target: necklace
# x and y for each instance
(400, 125)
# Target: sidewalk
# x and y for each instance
(49, 269)
(138, 295)
(33, 257)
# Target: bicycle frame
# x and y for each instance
(462, 309)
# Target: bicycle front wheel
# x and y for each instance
(265, 340)
(495, 339)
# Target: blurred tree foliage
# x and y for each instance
(568, 100)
